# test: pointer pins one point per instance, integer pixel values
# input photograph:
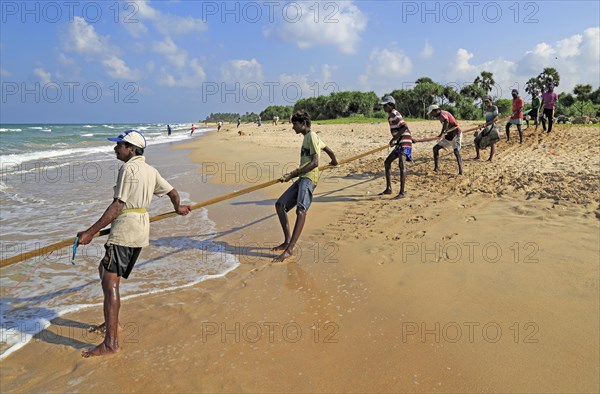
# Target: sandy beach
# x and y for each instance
(486, 282)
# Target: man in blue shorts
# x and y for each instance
(300, 194)
(401, 142)
(130, 228)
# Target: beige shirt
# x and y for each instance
(137, 182)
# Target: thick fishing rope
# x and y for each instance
(73, 241)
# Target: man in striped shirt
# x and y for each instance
(402, 143)
(452, 135)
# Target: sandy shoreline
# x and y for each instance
(481, 283)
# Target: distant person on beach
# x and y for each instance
(168, 129)
(489, 135)
(401, 142)
(300, 194)
(549, 100)
(536, 104)
(517, 115)
(275, 120)
(259, 121)
(193, 128)
(452, 136)
(219, 125)
(239, 121)
(129, 231)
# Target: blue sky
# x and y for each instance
(178, 61)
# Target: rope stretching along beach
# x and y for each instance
(70, 241)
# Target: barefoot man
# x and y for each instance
(452, 136)
(300, 194)
(401, 142)
(130, 228)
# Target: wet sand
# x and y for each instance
(482, 283)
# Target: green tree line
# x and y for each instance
(231, 117)
(464, 102)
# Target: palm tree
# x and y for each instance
(485, 81)
(483, 84)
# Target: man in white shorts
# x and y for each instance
(451, 132)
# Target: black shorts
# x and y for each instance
(120, 259)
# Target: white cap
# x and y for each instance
(432, 108)
(388, 100)
(132, 137)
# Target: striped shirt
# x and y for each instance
(399, 129)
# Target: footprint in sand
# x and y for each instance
(449, 237)
(471, 219)
(420, 234)
(417, 219)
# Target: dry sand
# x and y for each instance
(486, 282)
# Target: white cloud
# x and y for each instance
(172, 53)
(316, 82)
(461, 72)
(295, 87)
(427, 50)
(83, 40)
(190, 78)
(64, 60)
(335, 23)
(184, 73)
(137, 29)
(144, 10)
(387, 62)
(384, 66)
(461, 66)
(576, 58)
(165, 23)
(44, 76)
(68, 68)
(327, 72)
(569, 46)
(590, 43)
(179, 25)
(241, 70)
(117, 68)
(4, 73)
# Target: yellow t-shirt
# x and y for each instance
(137, 182)
(310, 145)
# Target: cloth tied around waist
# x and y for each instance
(133, 210)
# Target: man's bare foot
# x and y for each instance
(386, 191)
(283, 246)
(490, 159)
(101, 329)
(101, 350)
(476, 158)
(285, 255)
(399, 196)
(435, 170)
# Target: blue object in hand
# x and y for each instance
(75, 244)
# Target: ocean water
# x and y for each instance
(57, 180)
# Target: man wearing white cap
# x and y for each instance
(452, 135)
(130, 228)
